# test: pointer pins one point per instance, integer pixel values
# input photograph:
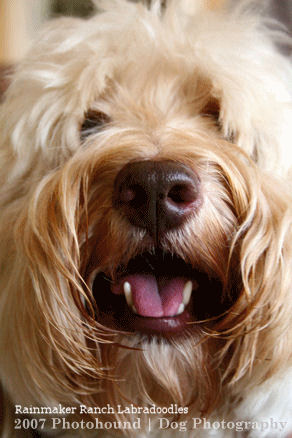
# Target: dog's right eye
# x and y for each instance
(93, 122)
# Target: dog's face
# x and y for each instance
(144, 225)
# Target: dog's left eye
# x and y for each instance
(93, 122)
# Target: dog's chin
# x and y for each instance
(159, 294)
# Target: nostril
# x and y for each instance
(128, 194)
(182, 194)
(133, 196)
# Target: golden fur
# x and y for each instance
(162, 85)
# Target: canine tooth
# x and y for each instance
(181, 309)
(187, 292)
(128, 293)
(134, 309)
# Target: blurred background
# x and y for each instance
(21, 19)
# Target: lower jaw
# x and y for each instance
(163, 326)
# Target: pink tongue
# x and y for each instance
(152, 298)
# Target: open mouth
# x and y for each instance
(157, 294)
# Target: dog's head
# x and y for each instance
(144, 224)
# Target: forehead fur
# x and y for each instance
(129, 40)
(154, 51)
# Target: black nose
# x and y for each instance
(156, 195)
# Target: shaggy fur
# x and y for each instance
(185, 82)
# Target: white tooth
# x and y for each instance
(187, 292)
(180, 309)
(128, 293)
(128, 296)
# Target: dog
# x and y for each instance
(146, 247)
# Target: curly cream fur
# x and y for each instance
(153, 71)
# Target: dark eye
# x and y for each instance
(93, 122)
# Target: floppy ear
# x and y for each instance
(260, 320)
(43, 279)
